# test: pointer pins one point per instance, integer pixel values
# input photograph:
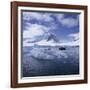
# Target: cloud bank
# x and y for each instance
(37, 24)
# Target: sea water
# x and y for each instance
(50, 61)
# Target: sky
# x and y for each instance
(36, 25)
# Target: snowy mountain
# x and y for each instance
(52, 40)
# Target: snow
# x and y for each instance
(52, 43)
(52, 40)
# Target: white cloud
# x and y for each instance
(31, 15)
(74, 36)
(59, 16)
(34, 30)
(67, 21)
(47, 17)
(37, 16)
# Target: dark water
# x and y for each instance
(42, 61)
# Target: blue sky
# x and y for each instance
(37, 24)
